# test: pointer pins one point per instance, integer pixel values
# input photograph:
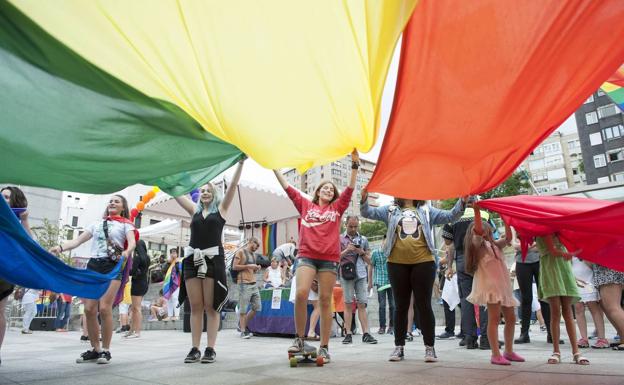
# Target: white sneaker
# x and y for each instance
(430, 354)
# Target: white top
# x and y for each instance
(287, 249)
(30, 296)
(117, 232)
(275, 276)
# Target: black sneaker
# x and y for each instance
(523, 339)
(368, 339)
(245, 335)
(445, 336)
(84, 338)
(209, 356)
(484, 344)
(104, 357)
(88, 356)
(463, 341)
(193, 356)
(471, 343)
(348, 339)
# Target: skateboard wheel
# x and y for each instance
(293, 362)
(319, 361)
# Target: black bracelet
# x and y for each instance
(355, 165)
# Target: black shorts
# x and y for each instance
(139, 286)
(104, 266)
(6, 288)
(190, 270)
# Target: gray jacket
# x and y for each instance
(391, 214)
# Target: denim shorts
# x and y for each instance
(317, 264)
(357, 288)
(249, 294)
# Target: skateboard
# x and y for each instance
(304, 358)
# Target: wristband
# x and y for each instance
(355, 165)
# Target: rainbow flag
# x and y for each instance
(614, 87)
(269, 238)
(172, 280)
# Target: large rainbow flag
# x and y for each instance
(269, 238)
(614, 87)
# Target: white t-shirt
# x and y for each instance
(30, 296)
(117, 232)
(287, 250)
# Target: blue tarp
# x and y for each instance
(25, 263)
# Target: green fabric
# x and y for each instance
(66, 124)
(556, 278)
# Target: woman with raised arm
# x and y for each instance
(113, 237)
(411, 263)
(319, 252)
(203, 267)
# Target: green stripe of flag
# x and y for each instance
(66, 124)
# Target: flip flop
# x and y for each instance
(619, 347)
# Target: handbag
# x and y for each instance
(347, 271)
(113, 251)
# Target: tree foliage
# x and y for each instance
(48, 235)
(516, 184)
(373, 229)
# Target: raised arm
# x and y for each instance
(355, 158)
(25, 223)
(186, 204)
(69, 245)
(229, 194)
(376, 213)
(280, 178)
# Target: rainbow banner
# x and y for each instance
(269, 238)
(172, 280)
(614, 87)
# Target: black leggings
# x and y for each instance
(418, 280)
(526, 273)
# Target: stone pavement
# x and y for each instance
(47, 358)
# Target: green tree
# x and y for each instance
(48, 235)
(516, 184)
(373, 229)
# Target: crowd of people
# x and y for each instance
(402, 272)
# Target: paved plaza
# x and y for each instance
(47, 358)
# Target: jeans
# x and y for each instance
(381, 297)
(449, 318)
(63, 312)
(468, 319)
(30, 309)
(526, 273)
(416, 280)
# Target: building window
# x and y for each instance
(536, 164)
(608, 110)
(619, 177)
(600, 161)
(74, 221)
(154, 221)
(589, 99)
(553, 160)
(336, 172)
(615, 155)
(575, 171)
(601, 92)
(558, 186)
(613, 132)
(556, 174)
(552, 148)
(595, 139)
(538, 177)
(591, 118)
(603, 179)
(574, 144)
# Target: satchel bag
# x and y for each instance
(347, 271)
(113, 251)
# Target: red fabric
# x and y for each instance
(481, 83)
(320, 226)
(128, 221)
(594, 227)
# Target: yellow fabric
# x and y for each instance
(127, 298)
(292, 83)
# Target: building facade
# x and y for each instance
(555, 164)
(339, 172)
(601, 133)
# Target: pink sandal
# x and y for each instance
(582, 343)
(513, 356)
(500, 360)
